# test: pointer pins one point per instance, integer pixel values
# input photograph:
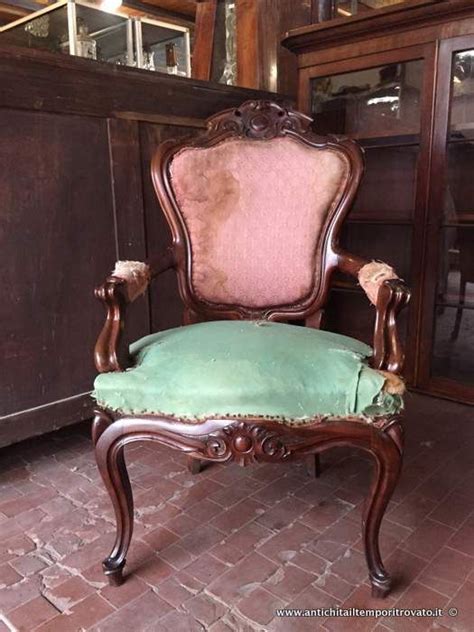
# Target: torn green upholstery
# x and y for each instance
(248, 368)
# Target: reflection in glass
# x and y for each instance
(452, 355)
(453, 346)
(348, 8)
(375, 102)
(393, 171)
(462, 102)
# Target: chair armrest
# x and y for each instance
(389, 295)
(128, 281)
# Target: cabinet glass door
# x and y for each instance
(452, 331)
(380, 107)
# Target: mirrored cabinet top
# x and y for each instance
(96, 31)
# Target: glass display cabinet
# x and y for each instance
(405, 92)
(80, 28)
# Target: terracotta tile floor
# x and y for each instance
(236, 543)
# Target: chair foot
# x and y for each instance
(313, 465)
(195, 465)
(380, 588)
(113, 571)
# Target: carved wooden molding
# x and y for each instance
(246, 443)
(260, 120)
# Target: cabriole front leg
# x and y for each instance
(386, 450)
(110, 458)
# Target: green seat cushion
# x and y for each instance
(247, 368)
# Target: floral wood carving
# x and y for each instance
(260, 120)
(245, 443)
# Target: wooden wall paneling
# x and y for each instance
(166, 304)
(129, 215)
(206, 12)
(105, 90)
(74, 194)
(57, 204)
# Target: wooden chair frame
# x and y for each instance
(248, 440)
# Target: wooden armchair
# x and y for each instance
(255, 207)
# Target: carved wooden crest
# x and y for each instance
(260, 120)
(245, 443)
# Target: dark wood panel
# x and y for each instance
(349, 312)
(166, 304)
(100, 89)
(57, 208)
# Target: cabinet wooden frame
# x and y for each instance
(433, 33)
(426, 53)
(440, 385)
(246, 440)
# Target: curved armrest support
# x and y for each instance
(128, 281)
(389, 294)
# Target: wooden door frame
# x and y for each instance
(442, 386)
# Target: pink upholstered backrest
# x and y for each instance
(255, 211)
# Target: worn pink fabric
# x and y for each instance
(254, 211)
(372, 275)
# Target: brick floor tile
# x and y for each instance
(325, 513)
(83, 616)
(178, 622)
(310, 562)
(452, 511)
(201, 540)
(463, 539)
(288, 542)
(174, 592)
(242, 578)
(464, 603)
(404, 568)
(412, 511)
(136, 615)
(19, 593)
(181, 524)
(235, 517)
(260, 605)
(228, 496)
(447, 572)
(334, 585)
(28, 564)
(288, 581)
(310, 599)
(206, 568)
(351, 566)
(8, 575)
(204, 510)
(228, 516)
(392, 536)
(15, 546)
(159, 539)
(335, 540)
(70, 592)
(278, 490)
(132, 588)
(177, 556)
(234, 547)
(32, 614)
(427, 539)
(154, 570)
(205, 609)
(283, 513)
